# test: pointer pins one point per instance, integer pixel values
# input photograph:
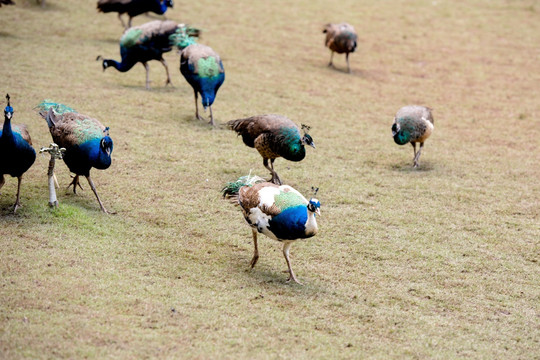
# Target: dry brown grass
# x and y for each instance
(441, 262)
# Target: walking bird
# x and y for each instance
(16, 151)
(6, 2)
(414, 124)
(202, 68)
(340, 38)
(277, 211)
(85, 139)
(273, 136)
(144, 43)
(133, 7)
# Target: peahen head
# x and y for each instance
(307, 139)
(8, 111)
(401, 135)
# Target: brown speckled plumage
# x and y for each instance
(340, 38)
(273, 136)
(413, 124)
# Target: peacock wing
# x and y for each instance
(75, 129)
(23, 131)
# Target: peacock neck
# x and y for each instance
(402, 137)
(311, 224)
(6, 129)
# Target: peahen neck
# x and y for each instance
(293, 143)
(402, 137)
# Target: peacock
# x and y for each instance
(414, 124)
(277, 211)
(340, 38)
(85, 139)
(273, 136)
(133, 7)
(202, 67)
(144, 43)
(17, 153)
(6, 2)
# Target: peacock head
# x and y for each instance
(314, 206)
(8, 111)
(401, 135)
(106, 63)
(307, 139)
(106, 143)
(169, 3)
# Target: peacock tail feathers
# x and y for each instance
(58, 109)
(288, 199)
(184, 36)
(232, 188)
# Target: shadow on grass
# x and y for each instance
(408, 168)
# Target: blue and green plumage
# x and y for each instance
(16, 152)
(202, 68)
(85, 139)
(133, 7)
(279, 212)
(144, 43)
(273, 136)
(413, 124)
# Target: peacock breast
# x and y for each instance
(290, 224)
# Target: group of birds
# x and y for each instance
(269, 207)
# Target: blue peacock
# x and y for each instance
(273, 136)
(145, 43)
(413, 124)
(16, 151)
(202, 68)
(133, 7)
(277, 211)
(340, 38)
(85, 139)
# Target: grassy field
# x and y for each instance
(438, 262)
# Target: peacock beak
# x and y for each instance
(318, 211)
(312, 145)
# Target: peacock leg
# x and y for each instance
(348, 66)
(197, 107)
(129, 22)
(166, 70)
(286, 247)
(211, 117)
(331, 57)
(122, 20)
(75, 182)
(414, 158)
(256, 250)
(147, 75)
(417, 155)
(275, 173)
(18, 199)
(95, 193)
(273, 178)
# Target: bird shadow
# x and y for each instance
(408, 168)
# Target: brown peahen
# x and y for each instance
(273, 136)
(340, 38)
(414, 124)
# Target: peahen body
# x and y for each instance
(133, 7)
(85, 139)
(273, 136)
(16, 151)
(144, 43)
(413, 124)
(202, 68)
(340, 38)
(277, 211)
